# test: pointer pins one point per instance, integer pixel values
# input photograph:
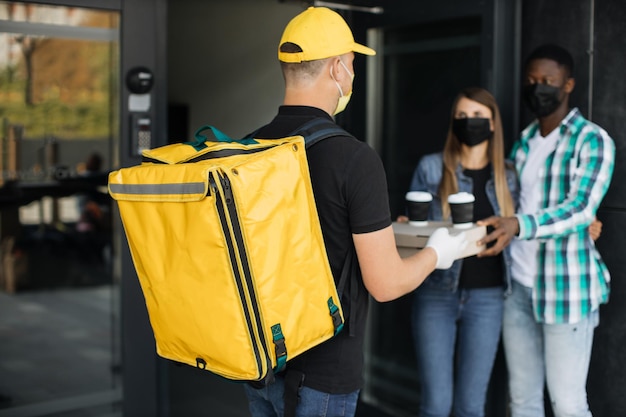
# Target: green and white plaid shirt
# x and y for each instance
(572, 280)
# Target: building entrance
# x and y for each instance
(59, 303)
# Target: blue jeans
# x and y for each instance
(269, 402)
(456, 337)
(537, 353)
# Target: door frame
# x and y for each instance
(143, 43)
(500, 45)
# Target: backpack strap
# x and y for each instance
(294, 380)
(216, 136)
(318, 129)
(314, 131)
(348, 280)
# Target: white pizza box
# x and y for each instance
(410, 239)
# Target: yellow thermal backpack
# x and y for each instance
(227, 245)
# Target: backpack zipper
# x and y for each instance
(228, 200)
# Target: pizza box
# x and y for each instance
(410, 239)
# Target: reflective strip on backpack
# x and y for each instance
(158, 189)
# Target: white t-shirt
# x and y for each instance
(524, 252)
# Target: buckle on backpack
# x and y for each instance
(335, 315)
(280, 349)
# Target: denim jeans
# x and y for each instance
(269, 402)
(536, 353)
(456, 337)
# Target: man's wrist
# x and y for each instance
(518, 223)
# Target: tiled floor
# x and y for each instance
(57, 343)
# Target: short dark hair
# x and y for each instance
(555, 53)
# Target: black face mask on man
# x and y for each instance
(542, 99)
(472, 131)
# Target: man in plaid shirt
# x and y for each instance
(565, 164)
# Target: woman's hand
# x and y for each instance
(595, 229)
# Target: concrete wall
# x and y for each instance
(222, 61)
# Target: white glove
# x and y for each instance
(448, 247)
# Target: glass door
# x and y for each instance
(59, 130)
(417, 72)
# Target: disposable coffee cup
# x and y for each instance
(418, 203)
(461, 209)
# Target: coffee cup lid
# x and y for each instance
(419, 196)
(461, 197)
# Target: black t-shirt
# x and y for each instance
(481, 272)
(350, 189)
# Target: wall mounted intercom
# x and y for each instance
(141, 133)
(139, 81)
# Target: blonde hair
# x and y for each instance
(452, 154)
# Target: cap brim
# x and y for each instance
(362, 49)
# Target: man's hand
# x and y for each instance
(448, 247)
(505, 229)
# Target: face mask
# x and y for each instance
(542, 99)
(472, 131)
(343, 99)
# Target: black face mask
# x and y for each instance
(542, 99)
(472, 130)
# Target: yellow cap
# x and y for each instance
(320, 33)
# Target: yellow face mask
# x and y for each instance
(344, 99)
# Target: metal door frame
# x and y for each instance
(143, 42)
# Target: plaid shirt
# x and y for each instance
(572, 280)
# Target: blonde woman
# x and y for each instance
(457, 312)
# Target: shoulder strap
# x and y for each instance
(318, 129)
(314, 131)
(348, 284)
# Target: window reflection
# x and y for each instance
(59, 124)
